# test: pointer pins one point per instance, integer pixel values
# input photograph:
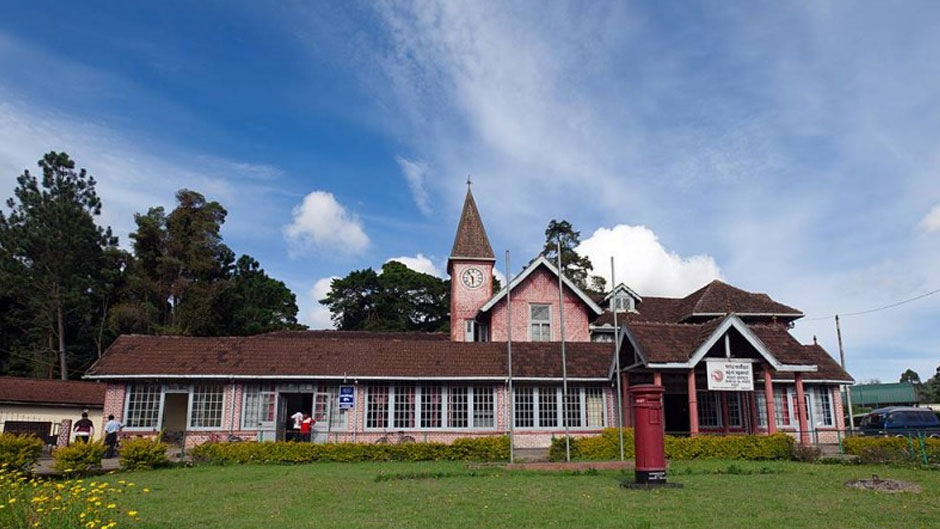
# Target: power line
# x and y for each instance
(878, 309)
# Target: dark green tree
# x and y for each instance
(576, 267)
(260, 303)
(50, 240)
(910, 376)
(398, 299)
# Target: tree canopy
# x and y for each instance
(67, 290)
(576, 267)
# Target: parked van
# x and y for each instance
(901, 420)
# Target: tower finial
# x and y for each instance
(468, 182)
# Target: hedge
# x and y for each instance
(79, 458)
(891, 449)
(19, 452)
(143, 453)
(746, 447)
(464, 449)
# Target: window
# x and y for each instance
(822, 406)
(709, 409)
(760, 402)
(622, 303)
(431, 407)
(326, 410)
(604, 337)
(548, 407)
(525, 408)
(475, 331)
(594, 406)
(404, 399)
(572, 408)
(377, 407)
(484, 407)
(143, 406)
(258, 409)
(458, 415)
(206, 407)
(735, 412)
(540, 323)
(781, 407)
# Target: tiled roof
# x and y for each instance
(320, 354)
(677, 342)
(471, 240)
(51, 391)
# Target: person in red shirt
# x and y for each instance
(305, 427)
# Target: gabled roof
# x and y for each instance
(533, 266)
(625, 289)
(325, 356)
(471, 241)
(52, 392)
(685, 344)
(719, 298)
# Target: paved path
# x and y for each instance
(574, 465)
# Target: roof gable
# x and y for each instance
(719, 298)
(471, 241)
(533, 266)
(50, 391)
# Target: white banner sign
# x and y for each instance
(727, 375)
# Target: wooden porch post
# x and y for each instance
(724, 412)
(693, 404)
(801, 409)
(657, 378)
(752, 408)
(627, 407)
(769, 401)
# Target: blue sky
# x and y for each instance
(788, 148)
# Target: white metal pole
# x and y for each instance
(847, 389)
(617, 372)
(564, 363)
(512, 398)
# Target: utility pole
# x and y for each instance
(617, 373)
(512, 398)
(564, 363)
(848, 390)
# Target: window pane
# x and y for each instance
(572, 408)
(431, 407)
(457, 415)
(594, 404)
(404, 416)
(259, 407)
(761, 404)
(207, 407)
(525, 411)
(143, 406)
(781, 407)
(377, 407)
(539, 312)
(548, 407)
(822, 406)
(708, 409)
(735, 417)
(483, 407)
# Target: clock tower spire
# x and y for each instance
(470, 266)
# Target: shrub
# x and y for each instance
(746, 447)
(143, 453)
(79, 458)
(19, 452)
(478, 449)
(879, 450)
(805, 453)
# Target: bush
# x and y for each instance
(880, 450)
(19, 452)
(805, 453)
(143, 453)
(79, 458)
(746, 447)
(478, 449)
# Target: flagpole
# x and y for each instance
(564, 363)
(618, 374)
(512, 398)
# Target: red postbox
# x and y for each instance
(649, 434)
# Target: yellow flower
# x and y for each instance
(132, 513)
(111, 505)
(146, 489)
(12, 500)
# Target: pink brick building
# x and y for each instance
(365, 386)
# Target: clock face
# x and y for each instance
(472, 278)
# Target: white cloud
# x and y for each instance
(320, 221)
(931, 221)
(319, 315)
(642, 263)
(416, 173)
(419, 263)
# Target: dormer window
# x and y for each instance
(622, 303)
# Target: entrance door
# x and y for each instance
(810, 416)
(175, 408)
(287, 405)
(324, 413)
(676, 412)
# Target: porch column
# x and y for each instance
(693, 404)
(769, 401)
(627, 408)
(801, 409)
(752, 409)
(724, 411)
(657, 378)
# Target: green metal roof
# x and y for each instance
(878, 394)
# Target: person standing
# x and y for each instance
(111, 429)
(84, 428)
(298, 419)
(305, 427)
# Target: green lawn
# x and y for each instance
(347, 495)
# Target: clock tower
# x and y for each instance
(470, 266)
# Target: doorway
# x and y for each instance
(287, 405)
(676, 412)
(175, 413)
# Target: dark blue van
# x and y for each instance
(901, 420)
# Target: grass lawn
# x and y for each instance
(347, 495)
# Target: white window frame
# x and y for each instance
(269, 390)
(540, 323)
(580, 392)
(474, 331)
(736, 396)
(189, 408)
(715, 398)
(825, 395)
(760, 403)
(127, 401)
(470, 390)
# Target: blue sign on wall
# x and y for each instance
(347, 397)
